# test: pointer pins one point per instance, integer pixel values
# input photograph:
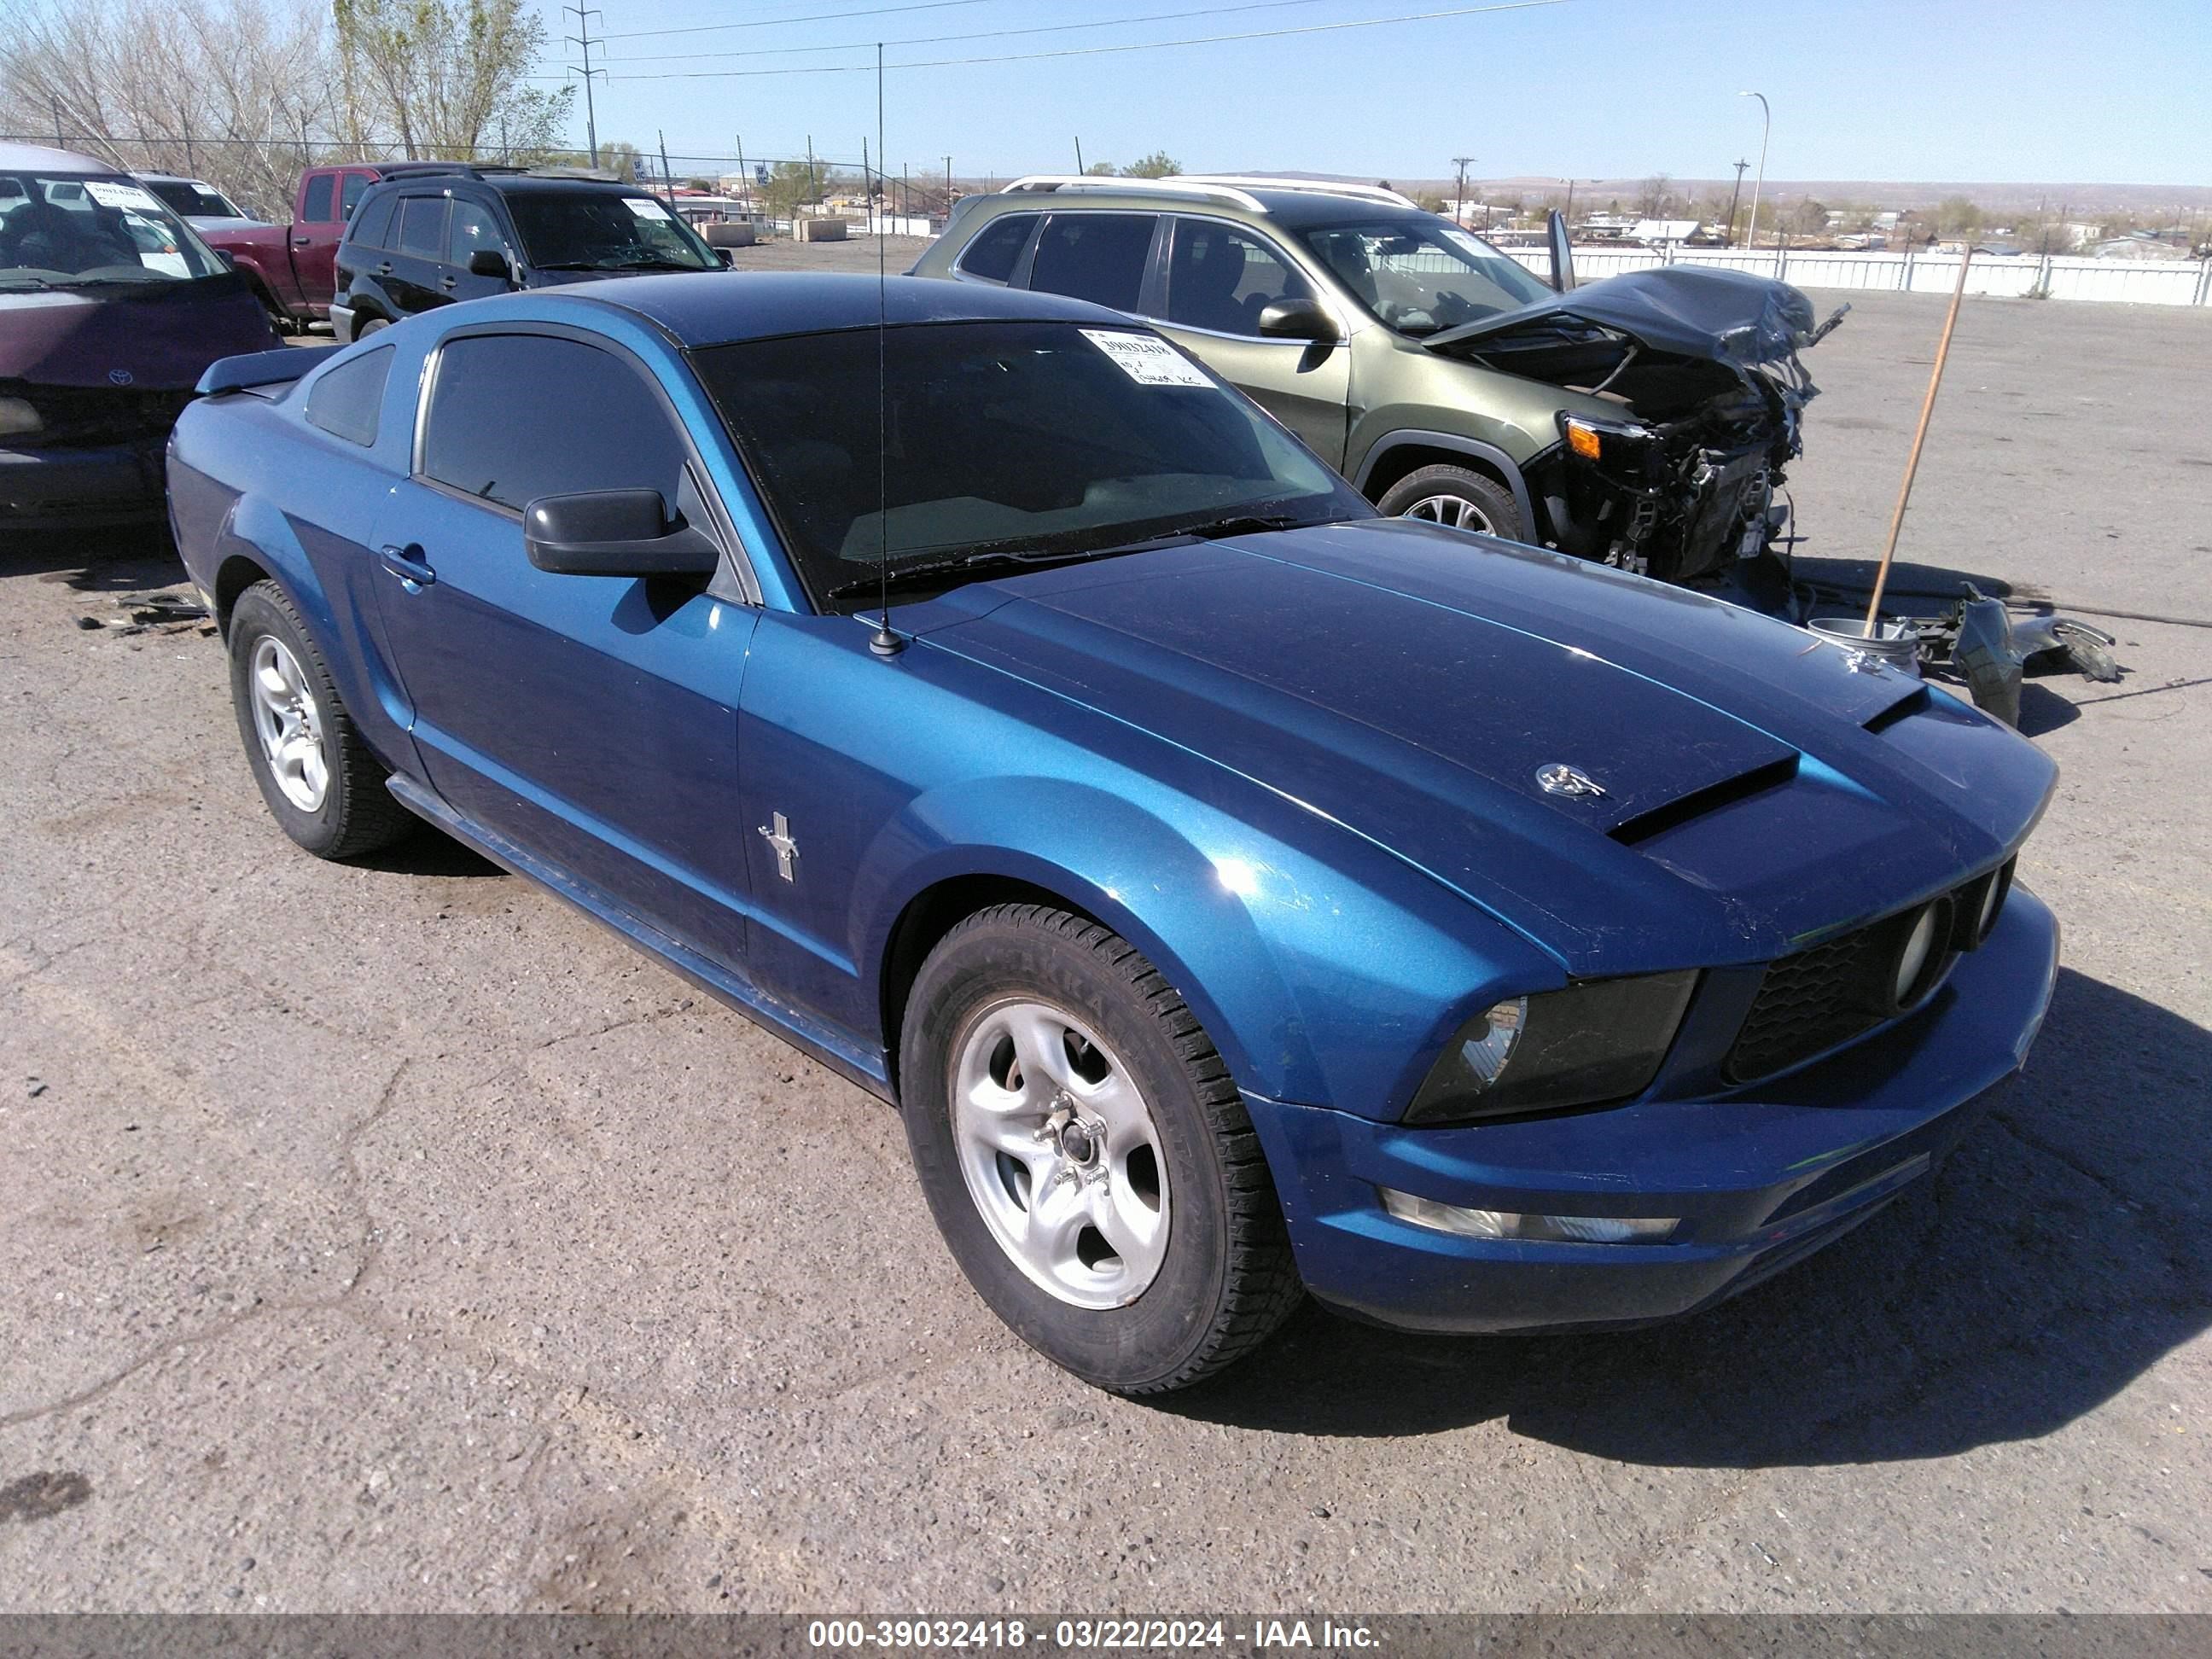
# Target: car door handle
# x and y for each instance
(446, 281)
(303, 241)
(406, 564)
(384, 270)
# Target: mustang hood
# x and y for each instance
(1689, 311)
(1751, 787)
(157, 338)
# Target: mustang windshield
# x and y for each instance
(1039, 441)
(1421, 277)
(599, 231)
(74, 231)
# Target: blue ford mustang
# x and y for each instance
(1236, 893)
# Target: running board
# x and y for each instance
(819, 1040)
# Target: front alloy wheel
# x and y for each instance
(1085, 1154)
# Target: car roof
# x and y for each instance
(37, 158)
(708, 308)
(1302, 209)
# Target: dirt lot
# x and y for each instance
(388, 1237)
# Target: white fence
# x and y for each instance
(2139, 282)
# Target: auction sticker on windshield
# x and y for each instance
(645, 207)
(112, 195)
(1146, 361)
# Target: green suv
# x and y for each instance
(1644, 421)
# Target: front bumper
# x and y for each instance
(81, 488)
(1762, 1176)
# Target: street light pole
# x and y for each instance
(1766, 126)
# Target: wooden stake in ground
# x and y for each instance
(1912, 461)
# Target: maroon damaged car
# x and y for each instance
(110, 309)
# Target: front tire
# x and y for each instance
(1457, 496)
(323, 787)
(1087, 1156)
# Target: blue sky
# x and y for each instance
(1875, 89)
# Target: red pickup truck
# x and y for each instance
(291, 264)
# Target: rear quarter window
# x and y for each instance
(992, 256)
(346, 402)
(373, 228)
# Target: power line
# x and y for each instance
(983, 35)
(1096, 52)
(777, 22)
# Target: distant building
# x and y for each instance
(2140, 245)
(1662, 233)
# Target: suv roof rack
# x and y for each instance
(1174, 186)
(464, 169)
(1236, 187)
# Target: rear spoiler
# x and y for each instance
(258, 368)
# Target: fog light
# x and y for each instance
(17, 416)
(1536, 1229)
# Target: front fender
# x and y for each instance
(1331, 987)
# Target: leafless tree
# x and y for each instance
(240, 92)
(1654, 196)
(449, 76)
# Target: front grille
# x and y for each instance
(1807, 1003)
(86, 417)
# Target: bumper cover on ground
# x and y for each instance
(1761, 1177)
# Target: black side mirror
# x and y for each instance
(726, 255)
(1563, 253)
(490, 261)
(613, 532)
(1298, 319)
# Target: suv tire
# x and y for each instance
(1086, 1155)
(1457, 496)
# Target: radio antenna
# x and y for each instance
(885, 643)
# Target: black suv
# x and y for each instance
(432, 237)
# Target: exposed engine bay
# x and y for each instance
(1702, 366)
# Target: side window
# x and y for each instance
(992, 254)
(423, 226)
(1099, 256)
(1221, 278)
(315, 207)
(474, 226)
(345, 402)
(350, 197)
(514, 416)
(374, 228)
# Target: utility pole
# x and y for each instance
(667, 177)
(1735, 195)
(868, 190)
(1458, 203)
(745, 178)
(813, 194)
(1765, 131)
(906, 194)
(948, 190)
(584, 39)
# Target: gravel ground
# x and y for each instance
(388, 1237)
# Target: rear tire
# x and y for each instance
(1457, 496)
(323, 787)
(370, 327)
(1087, 1156)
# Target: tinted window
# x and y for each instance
(514, 416)
(345, 402)
(1099, 256)
(1041, 438)
(474, 226)
(374, 228)
(356, 183)
(423, 226)
(992, 254)
(1221, 278)
(317, 207)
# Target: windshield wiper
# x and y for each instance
(655, 264)
(1241, 523)
(999, 560)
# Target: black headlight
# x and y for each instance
(1598, 1041)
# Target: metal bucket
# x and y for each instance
(1897, 644)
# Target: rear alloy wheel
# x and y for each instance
(323, 787)
(1086, 1156)
(1457, 496)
